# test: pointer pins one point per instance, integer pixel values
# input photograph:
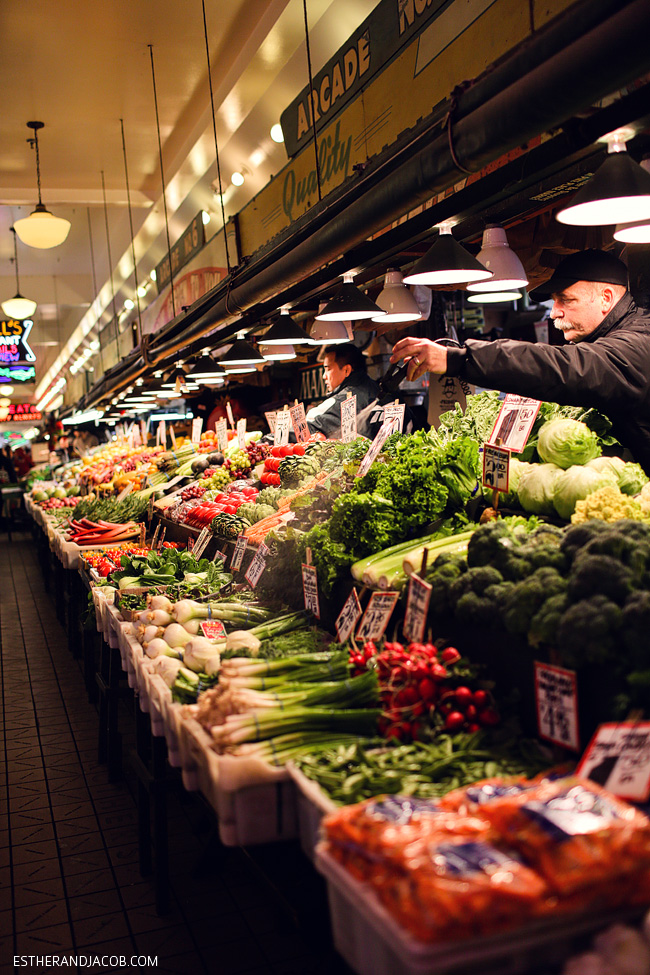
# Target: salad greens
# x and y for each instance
(170, 567)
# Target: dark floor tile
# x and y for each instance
(128, 874)
(5, 839)
(183, 963)
(34, 817)
(79, 826)
(29, 835)
(122, 947)
(22, 776)
(36, 916)
(166, 942)
(27, 800)
(237, 957)
(125, 853)
(94, 903)
(38, 892)
(56, 771)
(92, 861)
(36, 871)
(60, 797)
(138, 895)
(201, 906)
(95, 881)
(73, 845)
(219, 928)
(106, 927)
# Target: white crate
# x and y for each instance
(257, 813)
(313, 804)
(199, 762)
(172, 715)
(159, 693)
(372, 942)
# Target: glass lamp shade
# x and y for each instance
(396, 301)
(18, 307)
(42, 229)
(618, 192)
(491, 297)
(241, 353)
(495, 254)
(277, 353)
(286, 332)
(348, 304)
(447, 262)
(331, 333)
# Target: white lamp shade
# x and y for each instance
(496, 255)
(633, 233)
(618, 192)
(42, 229)
(18, 307)
(277, 353)
(492, 297)
(331, 333)
(396, 301)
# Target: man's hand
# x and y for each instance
(423, 355)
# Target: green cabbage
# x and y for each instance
(536, 488)
(577, 483)
(631, 478)
(567, 442)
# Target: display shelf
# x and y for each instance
(313, 804)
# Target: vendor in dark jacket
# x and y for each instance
(345, 372)
(605, 364)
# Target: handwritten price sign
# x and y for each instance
(241, 433)
(514, 422)
(238, 554)
(347, 618)
(349, 419)
(556, 697)
(417, 607)
(282, 427)
(378, 612)
(299, 422)
(201, 543)
(387, 427)
(270, 419)
(256, 569)
(496, 467)
(395, 411)
(221, 428)
(197, 427)
(310, 590)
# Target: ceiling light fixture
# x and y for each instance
(277, 353)
(618, 192)
(497, 256)
(276, 133)
(205, 368)
(396, 301)
(492, 297)
(18, 307)
(348, 303)
(447, 262)
(637, 232)
(41, 228)
(205, 217)
(241, 353)
(285, 331)
(237, 179)
(330, 333)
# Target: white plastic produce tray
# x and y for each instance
(313, 804)
(373, 943)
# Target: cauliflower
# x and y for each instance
(610, 504)
(644, 499)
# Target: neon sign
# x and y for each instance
(16, 356)
(20, 412)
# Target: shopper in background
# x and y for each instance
(345, 372)
(605, 363)
(7, 471)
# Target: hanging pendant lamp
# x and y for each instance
(639, 231)
(277, 353)
(241, 353)
(41, 228)
(618, 192)
(286, 332)
(18, 307)
(496, 255)
(396, 301)
(330, 333)
(447, 262)
(205, 368)
(348, 304)
(493, 297)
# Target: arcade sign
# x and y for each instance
(16, 357)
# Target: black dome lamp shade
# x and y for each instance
(349, 304)
(447, 262)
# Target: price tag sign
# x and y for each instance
(143, 534)
(201, 543)
(282, 427)
(417, 607)
(126, 492)
(514, 422)
(395, 411)
(172, 434)
(143, 431)
(220, 555)
(174, 481)
(213, 630)
(349, 419)
(221, 428)
(496, 467)
(618, 758)
(310, 589)
(197, 427)
(238, 554)
(556, 698)
(150, 508)
(241, 434)
(161, 436)
(347, 618)
(256, 569)
(231, 419)
(270, 419)
(378, 612)
(387, 427)
(299, 422)
(156, 534)
(161, 539)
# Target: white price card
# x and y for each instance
(556, 699)
(220, 555)
(201, 543)
(299, 421)
(125, 492)
(395, 411)
(241, 434)
(172, 434)
(221, 428)
(213, 630)
(256, 569)
(282, 427)
(310, 589)
(231, 419)
(143, 432)
(161, 435)
(378, 612)
(496, 468)
(270, 419)
(417, 607)
(387, 427)
(197, 427)
(238, 554)
(349, 419)
(618, 758)
(347, 618)
(514, 422)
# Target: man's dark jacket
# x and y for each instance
(608, 370)
(326, 417)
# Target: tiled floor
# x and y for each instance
(69, 875)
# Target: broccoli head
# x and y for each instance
(631, 548)
(444, 571)
(577, 536)
(526, 598)
(488, 543)
(475, 609)
(474, 580)
(589, 631)
(636, 630)
(544, 624)
(600, 575)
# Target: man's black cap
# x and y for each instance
(590, 265)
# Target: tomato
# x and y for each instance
(464, 697)
(286, 450)
(275, 451)
(298, 450)
(230, 509)
(249, 492)
(264, 477)
(277, 480)
(454, 721)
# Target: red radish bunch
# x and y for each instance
(421, 688)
